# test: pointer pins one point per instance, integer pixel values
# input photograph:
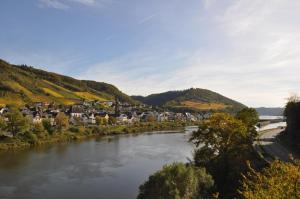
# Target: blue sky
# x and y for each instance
(248, 50)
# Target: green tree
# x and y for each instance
(279, 180)
(249, 116)
(223, 148)
(101, 121)
(3, 125)
(62, 121)
(38, 129)
(17, 123)
(177, 181)
(48, 126)
(112, 120)
(292, 114)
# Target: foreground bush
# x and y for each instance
(279, 180)
(177, 181)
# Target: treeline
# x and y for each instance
(16, 131)
(225, 165)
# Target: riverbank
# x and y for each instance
(29, 139)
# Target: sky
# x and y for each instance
(248, 50)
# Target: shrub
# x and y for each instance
(28, 137)
(47, 126)
(177, 181)
(74, 129)
(279, 180)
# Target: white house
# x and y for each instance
(3, 110)
(122, 118)
(37, 119)
(92, 119)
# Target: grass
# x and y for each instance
(70, 94)
(18, 88)
(57, 86)
(52, 92)
(11, 99)
(203, 105)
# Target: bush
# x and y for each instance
(97, 130)
(28, 137)
(279, 180)
(74, 129)
(47, 125)
(177, 181)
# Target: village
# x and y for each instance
(89, 113)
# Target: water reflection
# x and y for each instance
(111, 167)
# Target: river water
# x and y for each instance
(108, 168)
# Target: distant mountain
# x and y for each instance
(277, 111)
(194, 99)
(23, 84)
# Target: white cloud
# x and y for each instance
(257, 61)
(208, 3)
(53, 4)
(65, 4)
(146, 19)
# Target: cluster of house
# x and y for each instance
(87, 112)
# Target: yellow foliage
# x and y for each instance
(203, 105)
(11, 100)
(17, 87)
(279, 180)
(66, 101)
(57, 86)
(89, 96)
(52, 92)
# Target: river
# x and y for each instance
(108, 168)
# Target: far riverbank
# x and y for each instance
(74, 133)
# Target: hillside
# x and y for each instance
(23, 84)
(192, 100)
(277, 111)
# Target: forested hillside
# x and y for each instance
(195, 99)
(23, 84)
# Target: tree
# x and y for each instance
(221, 133)
(17, 123)
(3, 125)
(177, 181)
(279, 180)
(292, 114)
(293, 98)
(47, 126)
(112, 120)
(150, 118)
(223, 147)
(38, 129)
(101, 121)
(62, 121)
(249, 116)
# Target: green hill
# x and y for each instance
(276, 111)
(23, 84)
(194, 99)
